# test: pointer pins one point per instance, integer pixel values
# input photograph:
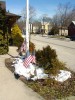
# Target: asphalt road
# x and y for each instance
(65, 49)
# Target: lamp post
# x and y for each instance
(27, 28)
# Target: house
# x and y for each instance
(10, 17)
(38, 27)
(71, 29)
(35, 27)
(46, 27)
(63, 31)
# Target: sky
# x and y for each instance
(48, 7)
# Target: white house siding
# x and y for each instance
(63, 32)
(47, 27)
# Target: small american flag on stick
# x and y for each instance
(23, 46)
(29, 59)
(34, 58)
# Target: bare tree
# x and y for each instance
(63, 13)
(64, 16)
(32, 13)
(55, 20)
(45, 18)
(71, 16)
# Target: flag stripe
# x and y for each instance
(28, 60)
(23, 47)
(34, 59)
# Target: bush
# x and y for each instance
(54, 30)
(31, 46)
(44, 57)
(3, 50)
(56, 65)
(17, 40)
(3, 45)
(47, 58)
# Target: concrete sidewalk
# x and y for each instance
(10, 88)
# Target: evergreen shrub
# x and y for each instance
(47, 58)
(3, 47)
(44, 57)
(17, 40)
(54, 31)
(3, 50)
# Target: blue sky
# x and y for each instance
(42, 6)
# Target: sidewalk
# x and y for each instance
(10, 88)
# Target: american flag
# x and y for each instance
(23, 46)
(34, 58)
(29, 59)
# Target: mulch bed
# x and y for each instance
(48, 88)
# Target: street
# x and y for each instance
(65, 49)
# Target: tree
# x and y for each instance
(55, 20)
(3, 21)
(4, 31)
(16, 30)
(54, 30)
(45, 18)
(64, 11)
(2, 17)
(17, 38)
(32, 13)
(64, 15)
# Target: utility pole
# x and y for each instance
(27, 28)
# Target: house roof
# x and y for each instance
(11, 18)
(73, 22)
(11, 14)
